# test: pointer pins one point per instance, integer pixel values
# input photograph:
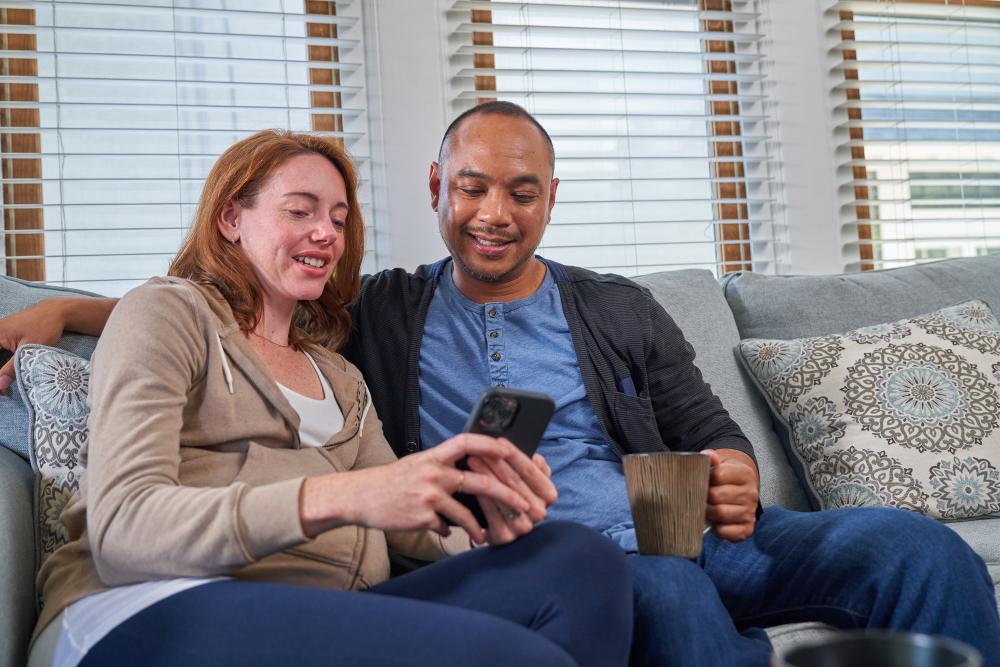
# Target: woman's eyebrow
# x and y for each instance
(308, 195)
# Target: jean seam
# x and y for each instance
(746, 620)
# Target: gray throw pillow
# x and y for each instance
(54, 385)
(903, 414)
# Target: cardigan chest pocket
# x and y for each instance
(634, 423)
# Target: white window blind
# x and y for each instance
(657, 113)
(920, 84)
(134, 101)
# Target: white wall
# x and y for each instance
(800, 58)
(407, 37)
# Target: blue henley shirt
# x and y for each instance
(524, 344)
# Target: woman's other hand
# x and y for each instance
(531, 478)
(415, 493)
(39, 323)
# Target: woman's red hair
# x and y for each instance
(207, 257)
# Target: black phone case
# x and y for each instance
(525, 430)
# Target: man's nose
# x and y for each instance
(495, 209)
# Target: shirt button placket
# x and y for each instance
(496, 355)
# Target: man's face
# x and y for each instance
(493, 193)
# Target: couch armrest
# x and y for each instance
(17, 559)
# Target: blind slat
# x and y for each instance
(201, 10)
(592, 33)
(595, 51)
(608, 8)
(632, 74)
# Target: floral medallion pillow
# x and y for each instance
(903, 414)
(54, 386)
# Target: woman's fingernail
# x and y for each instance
(5, 382)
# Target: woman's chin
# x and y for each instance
(311, 293)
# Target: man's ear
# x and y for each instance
(229, 222)
(552, 195)
(434, 183)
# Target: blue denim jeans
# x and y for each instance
(850, 568)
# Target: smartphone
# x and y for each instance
(520, 416)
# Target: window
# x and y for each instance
(112, 113)
(921, 83)
(657, 113)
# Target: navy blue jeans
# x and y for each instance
(851, 568)
(561, 595)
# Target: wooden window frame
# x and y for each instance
(23, 212)
(732, 218)
(319, 75)
(862, 211)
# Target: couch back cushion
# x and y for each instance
(694, 300)
(799, 306)
(16, 295)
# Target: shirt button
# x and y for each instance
(411, 446)
(493, 312)
(494, 334)
(496, 356)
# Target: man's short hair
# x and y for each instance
(496, 108)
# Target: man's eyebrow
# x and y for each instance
(525, 179)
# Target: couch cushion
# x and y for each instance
(17, 556)
(902, 414)
(54, 385)
(694, 300)
(797, 306)
(17, 295)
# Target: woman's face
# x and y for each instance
(294, 234)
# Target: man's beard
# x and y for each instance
(486, 277)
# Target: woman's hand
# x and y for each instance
(415, 493)
(39, 323)
(531, 478)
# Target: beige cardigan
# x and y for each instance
(194, 465)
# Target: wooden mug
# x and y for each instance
(668, 493)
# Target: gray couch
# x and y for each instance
(714, 316)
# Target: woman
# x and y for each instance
(239, 493)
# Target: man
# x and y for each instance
(623, 378)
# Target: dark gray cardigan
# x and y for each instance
(637, 367)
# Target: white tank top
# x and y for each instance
(319, 419)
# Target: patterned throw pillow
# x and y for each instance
(902, 414)
(54, 386)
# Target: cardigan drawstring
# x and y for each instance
(368, 406)
(225, 365)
